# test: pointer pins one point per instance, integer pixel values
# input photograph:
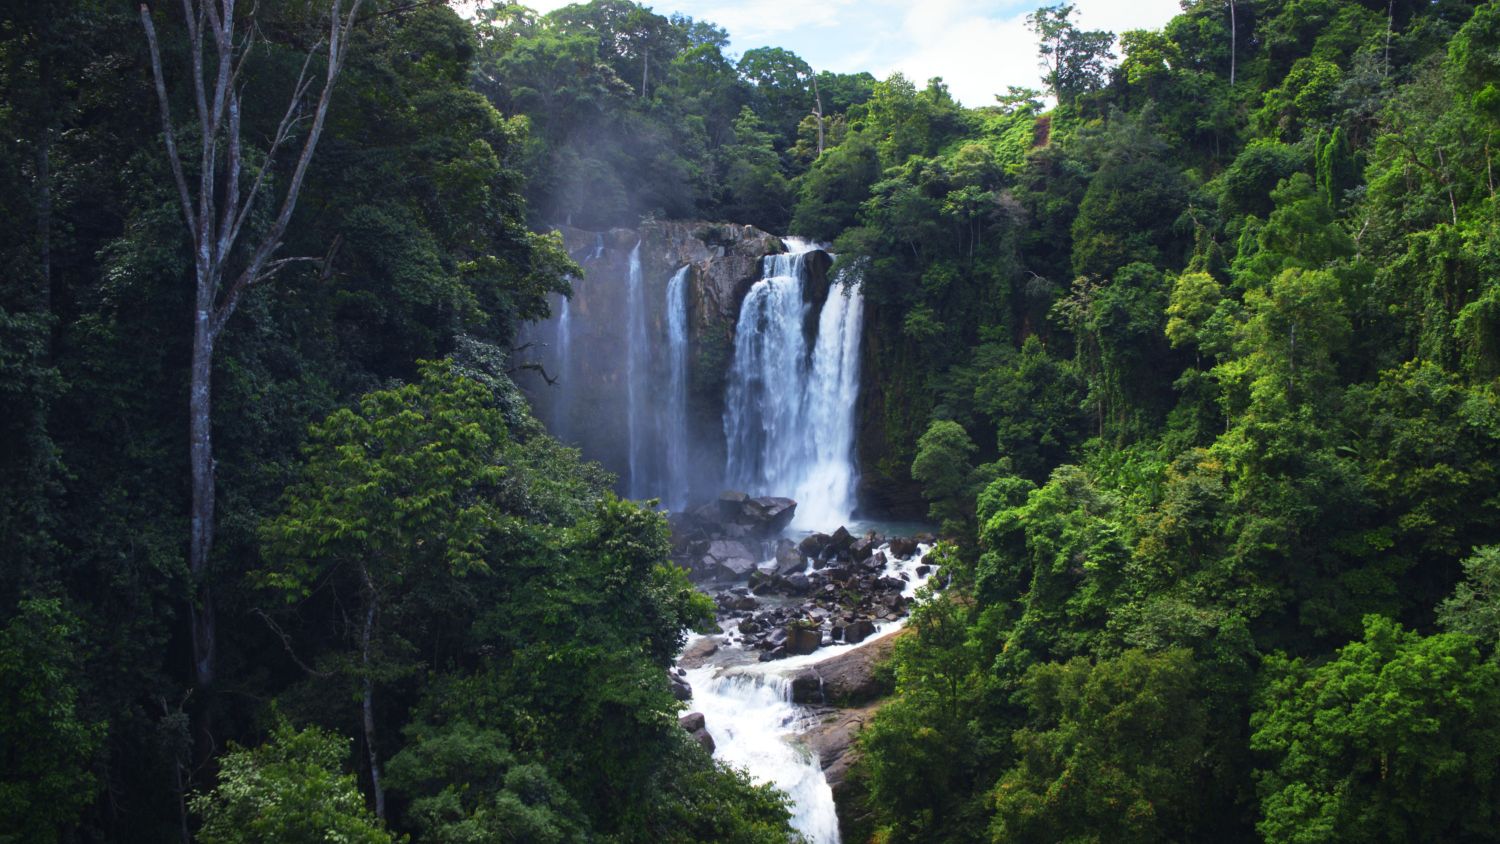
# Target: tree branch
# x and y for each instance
(166, 121)
(286, 642)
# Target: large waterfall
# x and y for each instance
(789, 409)
(620, 369)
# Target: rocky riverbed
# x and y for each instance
(805, 621)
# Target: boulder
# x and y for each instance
(730, 503)
(850, 678)
(903, 547)
(802, 640)
(813, 544)
(697, 654)
(733, 558)
(807, 688)
(862, 549)
(797, 585)
(858, 631)
(697, 727)
(769, 516)
(680, 688)
(839, 541)
(788, 558)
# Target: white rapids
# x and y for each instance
(748, 709)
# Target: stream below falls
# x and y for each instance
(748, 710)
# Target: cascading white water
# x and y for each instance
(674, 427)
(636, 364)
(789, 412)
(752, 720)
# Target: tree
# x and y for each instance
(394, 498)
(291, 789)
(46, 742)
(1396, 739)
(1075, 60)
(1110, 753)
(217, 212)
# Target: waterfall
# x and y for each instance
(637, 366)
(752, 720)
(789, 411)
(674, 428)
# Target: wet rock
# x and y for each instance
(840, 540)
(696, 654)
(778, 652)
(797, 585)
(730, 503)
(697, 727)
(814, 544)
(902, 547)
(767, 516)
(802, 640)
(807, 688)
(744, 603)
(923, 570)
(734, 559)
(749, 627)
(862, 549)
(788, 558)
(851, 678)
(858, 631)
(680, 688)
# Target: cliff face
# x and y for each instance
(589, 403)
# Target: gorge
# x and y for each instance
(734, 358)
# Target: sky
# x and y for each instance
(978, 48)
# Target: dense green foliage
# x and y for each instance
(408, 569)
(1196, 364)
(1220, 359)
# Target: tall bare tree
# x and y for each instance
(216, 205)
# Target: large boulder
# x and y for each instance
(839, 541)
(696, 655)
(730, 504)
(903, 547)
(697, 727)
(802, 640)
(789, 560)
(729, 559)
(768, 516)
(849, 679)
(813, 544)
(859, 631)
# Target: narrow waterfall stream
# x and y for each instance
(637, 362)
(674, 427)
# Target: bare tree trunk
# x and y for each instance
(1390, 24)
(1234, 35)
(367, 702)
(819, 98)
(215, 213)
(201, 470)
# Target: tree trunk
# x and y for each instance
(819, 97)
(367, 702)
(201, 469)
(1234, 34)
